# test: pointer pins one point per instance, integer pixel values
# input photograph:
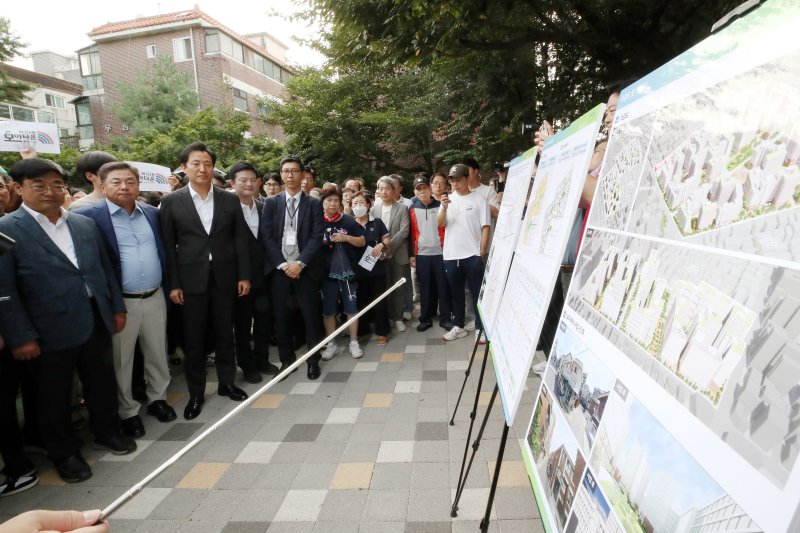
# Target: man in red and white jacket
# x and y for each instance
(427, 240)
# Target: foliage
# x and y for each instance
(224, 130)
(11, 91)
(154, 101)
(419, 84)
(67, 159)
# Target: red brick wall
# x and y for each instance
(121, 59)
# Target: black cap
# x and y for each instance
(421, 180)
(458, 171)
(33, 168)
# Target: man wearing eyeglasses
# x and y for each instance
(59, 305)
(291, 234)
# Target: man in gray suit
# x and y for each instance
(395, 216)
(61, 304)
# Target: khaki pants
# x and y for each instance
(147, 323)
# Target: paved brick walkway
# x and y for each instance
(366, 448)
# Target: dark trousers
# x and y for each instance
(53, 371)
(369, 288)
(432, 284)
(174, 327)
(215, 308)
(553, 315)
(467, 271)
(306, 289)
(13, 375)
(251, 314)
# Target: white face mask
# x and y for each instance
(359, 210)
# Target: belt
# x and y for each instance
(142, 295)
(566, 269)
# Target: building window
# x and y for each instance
(64, 132)
(212, 42)
(45, 116)
(182, 49)
(4, 111)
(264, 111)
(90, 70)
(239, 100)
(84, 113)
(22, 113)
(53, 100)
(150, 50)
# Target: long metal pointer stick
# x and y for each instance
(133, 491)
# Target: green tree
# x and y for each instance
(11, 91)
(224, 130)
(67, 159)
(157, 97)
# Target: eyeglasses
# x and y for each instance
(3, 186)
(293, 171)
(41, 188)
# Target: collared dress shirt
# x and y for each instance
(141, 267)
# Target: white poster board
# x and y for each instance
(509, 220)
(19, 136)
(537, 257)
(152, 177)
(670, 399)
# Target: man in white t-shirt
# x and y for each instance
(475, 185)
(466, 217)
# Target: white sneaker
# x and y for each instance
(470, 326)
(539, 368)
(480, 337)
(406, 315)
(355, 349)
(329, 351)
(455, 333)
(400, 326)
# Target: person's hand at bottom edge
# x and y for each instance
(64, 521)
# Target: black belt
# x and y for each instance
(142, 295)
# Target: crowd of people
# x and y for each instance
(99, 299)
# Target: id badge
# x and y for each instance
(290, 237)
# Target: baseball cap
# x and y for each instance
(421, 180)
(458, 171)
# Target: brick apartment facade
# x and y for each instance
(225, 67)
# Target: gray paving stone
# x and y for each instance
(347, 505)
(244, 527)
(179, 504)
(388, 476)
(431, 431)
(430, 475)
(314, 476)
(386, 506)
(429, 527)
(429, 505)
(181, 431)
(303, 433)
(336, 377)
(434, 375)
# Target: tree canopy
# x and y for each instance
(416, 85)
(11, 91)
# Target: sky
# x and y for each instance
(62, 26)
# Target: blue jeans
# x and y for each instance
(461, 272)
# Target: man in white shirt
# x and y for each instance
(465, 215)
(61, 306)
(87, 167)
(475, 185)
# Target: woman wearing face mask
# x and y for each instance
(372, 283)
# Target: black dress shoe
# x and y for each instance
(118, 443)
(313, 370)
(73, 469)
(284, 366)
(252, 377)
(269, 368)
(162, 411)
(446, 324)
(424, 326)
(193, 408)
(233, 392)
(133, 427)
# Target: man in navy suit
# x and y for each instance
(291, 233)
(60, 306)
(132, 238)
(208, 265)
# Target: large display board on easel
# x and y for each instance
(509, 220)
(537, 258)
(671, 398)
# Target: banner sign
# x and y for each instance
(671, 399)
(152, 177)
(19, 136)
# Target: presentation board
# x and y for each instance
(671, 399)
(540, 246)
(509, 220)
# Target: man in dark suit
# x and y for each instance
(61, 304)
(132, 236)
(208, 265)
(291, 233)
(251, 324)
